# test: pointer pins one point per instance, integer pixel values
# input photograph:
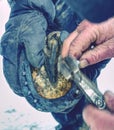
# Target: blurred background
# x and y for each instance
(15, 112)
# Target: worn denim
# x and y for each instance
(93, 10)
(29, 23)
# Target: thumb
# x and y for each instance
(67, 42)
(93, 116)
(98, 119)
(89, 114)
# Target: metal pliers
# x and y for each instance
(69, 68)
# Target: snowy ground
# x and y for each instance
(15, 112)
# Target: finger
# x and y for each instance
(83, 25)
(109, 98)
(82, 42)
(89, 115)
(96, 118)
(97, 54)
(67, 43)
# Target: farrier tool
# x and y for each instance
(69, 67)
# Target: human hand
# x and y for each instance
(100, 119)
(78, 42)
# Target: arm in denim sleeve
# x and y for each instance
(46, 6)
(66, 18)
(93, 10)
(25, 29)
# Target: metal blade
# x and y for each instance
(64, 69)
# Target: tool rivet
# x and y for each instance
(35, 100)
(26, 83)
(24, 73)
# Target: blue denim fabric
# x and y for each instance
(26, 29)
(23, 31)
(66, 18)
(71, 120)
(28, 6)
(93, 10)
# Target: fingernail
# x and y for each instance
(83, 63)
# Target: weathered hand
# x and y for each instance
(100, 119)
(79, 42)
